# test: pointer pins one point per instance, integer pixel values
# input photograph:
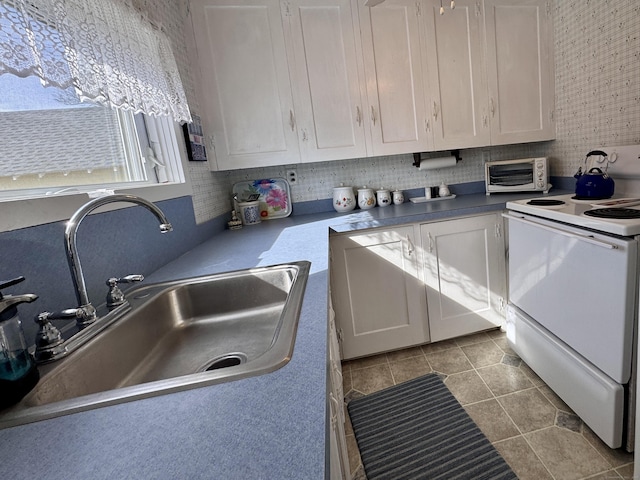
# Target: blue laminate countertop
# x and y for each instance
(268, 427)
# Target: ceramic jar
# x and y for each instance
(344, 200)
(249, 212)
(383, 196)
(398, 197)
(366, 198)
(443, 191)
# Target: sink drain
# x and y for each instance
(225, 361)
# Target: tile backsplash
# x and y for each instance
(597, 61)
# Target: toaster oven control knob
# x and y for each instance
(539, 174)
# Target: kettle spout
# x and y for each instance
(578, 173)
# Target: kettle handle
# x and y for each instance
(597, 152)
(596, 169)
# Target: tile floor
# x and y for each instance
(536, 433)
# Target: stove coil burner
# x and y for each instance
(545, 202)
(623, 213)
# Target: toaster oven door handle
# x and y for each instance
(584, 238)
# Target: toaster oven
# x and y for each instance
(520, 175)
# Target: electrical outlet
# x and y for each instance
(292, 176)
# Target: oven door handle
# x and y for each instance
(584, 238)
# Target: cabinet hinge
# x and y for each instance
(548, 8)
(478, 9)
(498, 230)
(340, 335)
(418, 12)
(501, 304)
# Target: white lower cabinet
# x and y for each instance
(391, 292)
(464, 275)
(377, 291)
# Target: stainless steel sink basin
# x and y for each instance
(177, 335)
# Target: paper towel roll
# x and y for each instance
(438, 162)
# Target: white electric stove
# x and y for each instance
(618, 216)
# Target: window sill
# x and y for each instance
(23, 213)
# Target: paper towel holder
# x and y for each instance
(416, 157)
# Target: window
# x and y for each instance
(101, 61)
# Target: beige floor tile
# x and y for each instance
(366, 362)
(529, 409)
(492, 420)
(471, 339)
(483, 354)
(449, 361)
(531, 375)
(409, 368)
(522, 459)
(403, 354)
(503, 379)
(468, 387)
(608, 475)
(348, 427)
(504, 345)
(554, 398)
(626, 471)
(567, 455)
(371, 379)
(616, 457)
(347, 385)
(353, 453)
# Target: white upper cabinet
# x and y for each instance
(520, 68)
(394, 78)
(245, 82)
(290, 81)
(457, 82)
(321, 45)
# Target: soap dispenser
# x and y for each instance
(18, 371)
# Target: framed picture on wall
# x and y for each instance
(194, 139)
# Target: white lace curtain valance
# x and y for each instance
(105, 49)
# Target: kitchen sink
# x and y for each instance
(177, 335)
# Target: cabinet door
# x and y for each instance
(457, 82)
(393, 74)
(377, 293)
(321, 41)
(520, 70)
(464, 273)
(245, 82)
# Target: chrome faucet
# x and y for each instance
(88, 311)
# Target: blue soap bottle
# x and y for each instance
(18, 371)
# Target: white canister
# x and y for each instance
(383, 196)
(344, 200)
(443, 191)
(398, 197)
(249, 212)
(366, 198)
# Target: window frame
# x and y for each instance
(165, 136)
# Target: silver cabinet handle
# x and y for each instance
(373, 115)
(430, 242)
(410, 247)
(492, 107)
(358, 116)
(436, 111)
(292, 121)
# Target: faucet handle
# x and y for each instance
(115, 297)
(49, 341)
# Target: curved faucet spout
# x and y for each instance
(89, 312)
